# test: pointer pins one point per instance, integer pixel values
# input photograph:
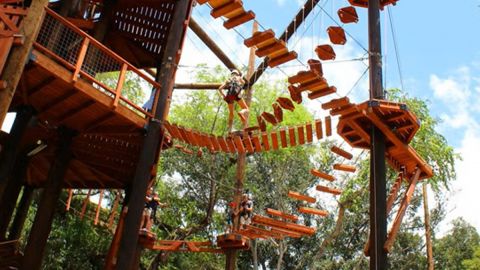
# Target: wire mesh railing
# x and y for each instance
(92, 61)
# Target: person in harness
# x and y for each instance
(152, 202)
(234, 86)
(246, 210)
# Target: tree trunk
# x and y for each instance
(428, 234)
(254, 254)
(281, 251)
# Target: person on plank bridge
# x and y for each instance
(232, 212)
(246, 210)
(234, 86)
(152, 202)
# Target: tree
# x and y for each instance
(474, 262)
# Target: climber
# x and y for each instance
(246, 210)
(232, 212)
(234, 86)
(152, 202)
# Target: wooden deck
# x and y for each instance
(61, 83)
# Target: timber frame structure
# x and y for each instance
(63, 67)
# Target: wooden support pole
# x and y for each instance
(112, 255)
(9, 154)
(154, 136)
(10, 196)
(99, 207)
(196, 86)
(401, 212)
(86, 201)
(210, 43)
(21, 213)
(19, 55)
(42, 223)
(428, 231)
(111, 218)
(69, 200)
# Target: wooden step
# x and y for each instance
(316, 67)
(301, 135)
(261, 123)
(312, 211)
(291, 136)
(348, 15)
(286, 103)
(328, 126)
(322, 175)
(266, 221)
(303, 77)
(309, 129)
(281, 214)
(336, 103)
(286, 232)
(278, 112)
(337, 35)
(294, 94)
(344, 167)
(227, 8)
(248, 144)
(259, 37)
(283, 138)
(341, 152)
(318, 129)
(265, 142)
(274, 137)
(240, 19)
(270, 118)
(301, 197)
(282, 59)
(256, 144)
(270, 49)
(317, 84)
(325, 52)
(322, 92)
(330, 190)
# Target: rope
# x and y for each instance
(397, 53)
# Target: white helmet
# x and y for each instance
(235, 72)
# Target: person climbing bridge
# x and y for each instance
(234, 86)
(232, 212)
(246, 210)
(152, 202)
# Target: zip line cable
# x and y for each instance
(397, 53)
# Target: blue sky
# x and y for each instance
(437, 43)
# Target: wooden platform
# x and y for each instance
(181, 246)
(61, 82)
(233, 241)
(395, 121)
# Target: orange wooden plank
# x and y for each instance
(239, 144)
(248, 144)
(301, 134)
(257, 144)
(242, 18)
(333, 191)
(274, 136)
(291, 136)
(303, 77)
(322, 175)
(281, 214)
(344, 167)
(286, 232)
(266, 144)
(215, 144)
(336, 103)
(328, 126)
(309, 129)
(264, 231)
(283, 225)
(282, 59)
(301, 197)
(283, 138)
(231, 145)
(322, 92)
(226, 8)
(341, 152)
(312, 211)
(259, 37)
(318, 129)
(223, 144)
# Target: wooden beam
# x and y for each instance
(283, 225)
(21, 213)
(344, 167)
(312, 211)
(333, 191)
(341, 152)
(281, 214)
(301, 197)
(322, 175)
(197, 86)
(46, 209)
(19, 55)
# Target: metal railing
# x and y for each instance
(90, 60)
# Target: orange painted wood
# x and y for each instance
(85, 204)
(323, 92)
(99, 205)
(313, 85)
(269, 49)
(309, 129)
(322, 175)
(345, 110)
(215, 144)
(348, 15)
(283, 138)
(294, 94)
(316, 67)
(282, 59)
(336, 103)
(259, 37)
(248, 144)
(291, 136)
(286, 103)
(240, 19)
(201, 2)
(330, 190)
(266, 144)
(281, 214)
(301, 134)
(344, 167)
(261, 123)
(80, 58)
(312, 211)
(328, 126)
(341, 152)
(325, 52)
(264, 231)
(394, 192)
(226, 8)
(301, 197)
(257, 144)
(283, 225)
(303, 77)
(270, 118)
(69, 200)
(318, 129)
(231, 145)
(286, 232)
(401, 212)
(277, 111)
(239, 144)
(274, 137)
(121, 81)
(337, 35)
(223, 144)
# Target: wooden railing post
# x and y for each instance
(81, 58)
(121, 80)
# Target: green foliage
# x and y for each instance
(474, 262)
(133, 87)
(457, 246)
